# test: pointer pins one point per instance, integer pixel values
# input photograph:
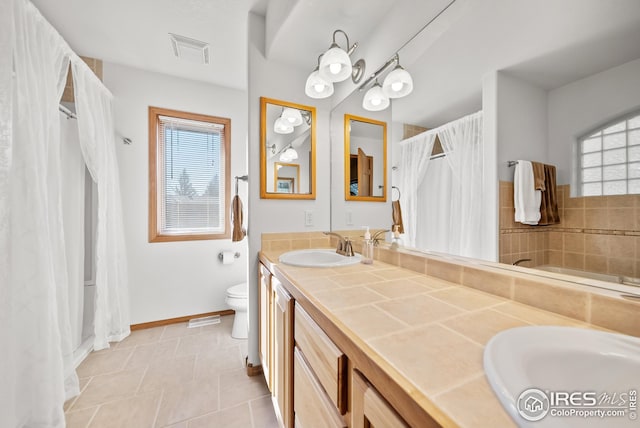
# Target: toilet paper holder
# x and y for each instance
(236, 255)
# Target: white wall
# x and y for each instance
(171, 279)
(490, 170)
(521, 123)
(282, 82)
(579, 107)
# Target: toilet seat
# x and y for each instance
(237, 291)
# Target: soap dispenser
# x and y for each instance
(396, 243)
(367, 248)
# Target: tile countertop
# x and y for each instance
(391, 310)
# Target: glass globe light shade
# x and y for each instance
(317, 86)
(292, 116)
(375, 99)
(335, 64)
(398, 83)
(281, 126)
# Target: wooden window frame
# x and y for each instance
(154, 233)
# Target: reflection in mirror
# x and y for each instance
(539, 106)
(286, 176)
(287, 138)
(365, 163)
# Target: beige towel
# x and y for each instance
(396, 215)
(538, 175)
(239, 232)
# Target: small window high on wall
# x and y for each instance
(609, 159)
(189, 159)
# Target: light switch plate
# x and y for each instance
(349, 218)
(308, 218)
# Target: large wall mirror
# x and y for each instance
(538, 106)
(365, 159)
(288, 151)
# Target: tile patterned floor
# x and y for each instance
(171, 376)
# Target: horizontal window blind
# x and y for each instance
(609, 159)
(191, 173)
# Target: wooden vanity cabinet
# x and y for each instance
(265, 321)
(282, 365)
(369, 408)
(313, 408)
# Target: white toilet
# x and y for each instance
(237, 300)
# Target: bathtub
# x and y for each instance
(616, 282)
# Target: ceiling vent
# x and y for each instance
(188, 49)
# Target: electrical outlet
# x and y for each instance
(349, 218)
(308, 218)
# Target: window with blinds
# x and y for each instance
(189, 176)
(609, 159)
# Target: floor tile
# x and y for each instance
(105, 388)
(80, 418)
(262, 413)
(139, 337)
(139, 412)
(234, 417)
(168, 374)
(236, 388)
(98, 363)
(188, 401)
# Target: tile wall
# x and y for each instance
(598, 233)
(94, 64)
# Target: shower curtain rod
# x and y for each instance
(67, 112)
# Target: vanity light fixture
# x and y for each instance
(375, 99)
(334, 66)
(288, 155)
(317, 86)
(292, 116)
(281, 126)
(398, 83)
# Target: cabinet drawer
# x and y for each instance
(311, 405)
(327, 361)
(369, 408)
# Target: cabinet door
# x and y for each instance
(265, 321)
(283, 352)
(369, 408)
(313, 408)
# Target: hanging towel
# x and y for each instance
(538, 175)
(396, 215)
(239, 232)
(549, 213)
(525, 197)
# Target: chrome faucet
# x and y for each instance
(345, 246)
(517, 262)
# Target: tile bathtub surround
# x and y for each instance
(597, 233)
(171, 376)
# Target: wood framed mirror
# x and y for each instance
(287, 150)
(365, 159)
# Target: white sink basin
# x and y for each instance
(550, 361)
(318, 258)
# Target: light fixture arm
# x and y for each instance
(349, 50)
(394, 60)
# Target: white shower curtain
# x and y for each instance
(37, 364)
(463, 144)
(36, 367)
(97, 139)
(445, 211)
(414, 159)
